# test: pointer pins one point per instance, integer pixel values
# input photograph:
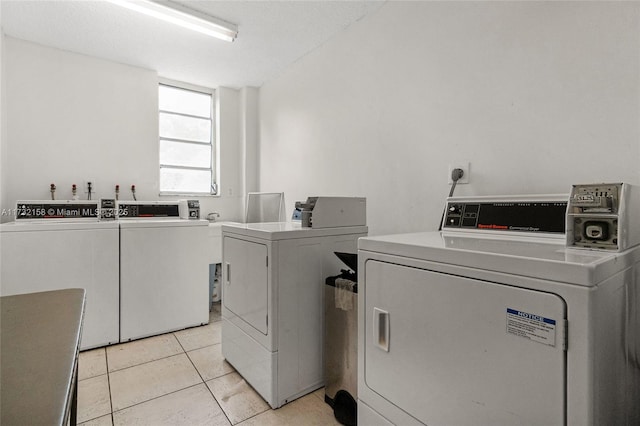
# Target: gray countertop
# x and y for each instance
(39, 342)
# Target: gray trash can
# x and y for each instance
(341, 342)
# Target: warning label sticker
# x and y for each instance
(533, 327)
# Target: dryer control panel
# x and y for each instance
(536, 216)
(602, 216)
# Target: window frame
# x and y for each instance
(213, 186)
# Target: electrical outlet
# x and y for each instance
(465, 166)
(86, 186)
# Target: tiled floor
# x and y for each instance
(180, 378)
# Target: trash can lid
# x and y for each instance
(349, 259)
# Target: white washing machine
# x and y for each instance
(50, 251)
(493, 321)
(164, 269)
(272, 302)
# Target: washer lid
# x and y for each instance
(160, 223)
(532, 257)
(58, 225)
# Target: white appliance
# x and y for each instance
(493, 321)
(164, 269)
(272, 303)
(61, 244)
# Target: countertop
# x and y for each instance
(40, 338)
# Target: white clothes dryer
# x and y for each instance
(497, 328)
(272, 302)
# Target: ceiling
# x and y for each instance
(271, 35)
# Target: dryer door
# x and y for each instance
(450, 350)
(245, 281)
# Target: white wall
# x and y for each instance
(71, 118)
(536, 96)
(2, 118)
(250, 137)
(229, 204)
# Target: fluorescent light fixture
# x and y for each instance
(185, 17)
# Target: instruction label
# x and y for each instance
(531, 326)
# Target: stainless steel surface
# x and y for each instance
(39, 339)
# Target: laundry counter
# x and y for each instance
(40, 339)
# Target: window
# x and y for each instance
(186, 141)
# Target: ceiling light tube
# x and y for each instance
(185, 17)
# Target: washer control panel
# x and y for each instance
(147, 209)
(43, 209)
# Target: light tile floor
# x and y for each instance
(180, 378)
